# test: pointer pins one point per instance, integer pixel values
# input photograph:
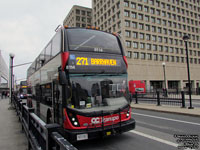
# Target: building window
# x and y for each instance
(83, 12)
(148, 37)
(166, 49)
(134, 25)
(166, 58)
(140, 7)
(135, 45)
(177, 59)
(149, 56)
(128, 44)
(158, 21)
(160, 48)
(135, 35)
(160, 39)
(182, 59)
(134, 15)
(136, 55)
(129, 54)
(142, 56)
(154, 38)
(153, 28)
(126, 3)
(152, 11)
(133, 5)
(164, 22)
(165, 39)
(154, 47)
(126, 13)
(142, 36)
(147, 27)
(147, 18)
(146, 9)
(155, 57)
(163, 14)
(153, 20)
(140, 16)
(148, 46)
(172, 58)
(161, 57)
(142, 45)
(127, 23)
(128, 33)
(141, 26)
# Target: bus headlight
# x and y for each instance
(73, 119)
(75, 123)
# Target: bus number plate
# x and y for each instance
(82, 137)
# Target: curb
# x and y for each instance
(166, 111)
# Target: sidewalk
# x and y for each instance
(195, 97)
(11, 135)
(168, 109)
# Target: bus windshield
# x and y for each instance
(99, 92)
(92, 41)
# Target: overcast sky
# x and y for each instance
(27, 25)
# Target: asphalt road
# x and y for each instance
(154, 131)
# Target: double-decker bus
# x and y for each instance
(23, 90)
(79, 81)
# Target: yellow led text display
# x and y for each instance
(95, 61)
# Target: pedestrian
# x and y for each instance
(2, 94)
(6, 94)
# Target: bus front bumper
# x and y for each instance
(92, 133)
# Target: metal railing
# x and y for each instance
(41, 136)
(159, 98)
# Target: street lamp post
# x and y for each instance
(186, 38)
(165, 90)
(11, 75)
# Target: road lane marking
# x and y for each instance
(193, 123)
(155, 138)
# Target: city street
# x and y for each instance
(154, 131)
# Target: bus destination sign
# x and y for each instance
(94, 63)
(86, 61)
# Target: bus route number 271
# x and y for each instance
(82, 61)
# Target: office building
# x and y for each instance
(79, 17)
(152, 31)
(4, 76)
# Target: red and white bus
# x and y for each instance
(79, 81)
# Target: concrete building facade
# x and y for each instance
(79, 17)
(4, 75)
(152, 31)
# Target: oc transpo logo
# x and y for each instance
(98, 120)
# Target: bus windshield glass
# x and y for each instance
(92, 41)
(99, 92)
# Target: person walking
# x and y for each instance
(2, 94)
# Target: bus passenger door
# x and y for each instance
(56, 102)
(38, 95)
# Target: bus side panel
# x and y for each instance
(44, 75)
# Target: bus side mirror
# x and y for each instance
(62, 78)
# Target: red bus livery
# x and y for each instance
(79, 81)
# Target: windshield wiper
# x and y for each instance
(92, 37)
